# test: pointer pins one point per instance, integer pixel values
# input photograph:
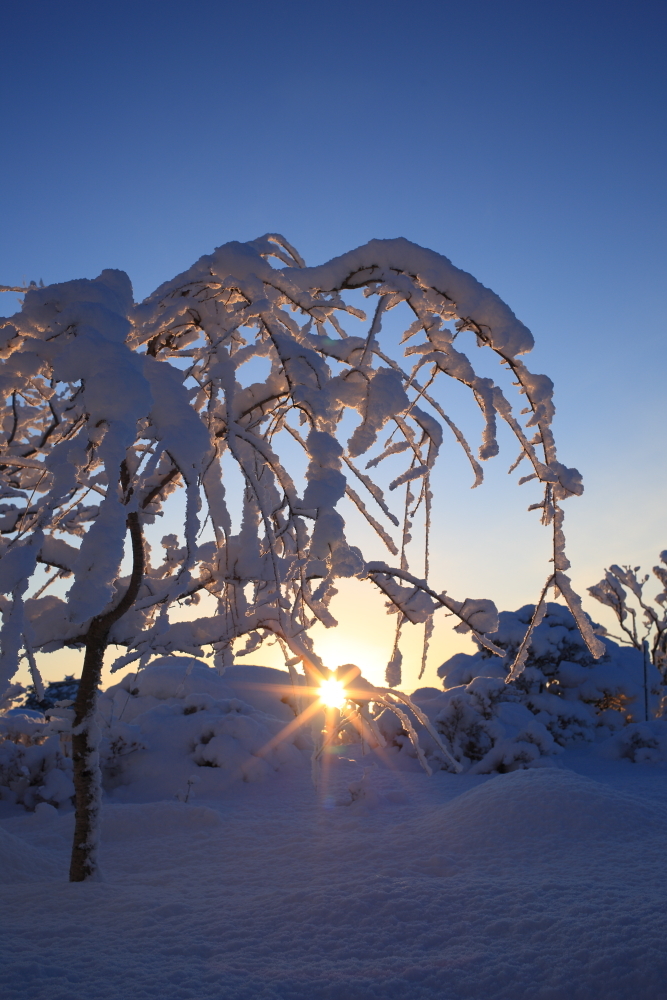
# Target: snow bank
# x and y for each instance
(535, 885)
(21, 862)
(176, 730)
(128, 821)
(518, 810)
(180, 676)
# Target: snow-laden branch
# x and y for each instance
(95, 383)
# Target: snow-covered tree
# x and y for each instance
(89, 419)
(231, 307)
(116, 409)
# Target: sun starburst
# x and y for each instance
(332, 693)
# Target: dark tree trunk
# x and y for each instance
(85, 737)
(85, 753)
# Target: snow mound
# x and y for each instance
(175, 676)
(21, 862)
(523, 806)
(178, 731)
(180, 676)
(155, 819)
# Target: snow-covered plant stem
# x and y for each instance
(85, 734)
(648, 632)
(646, 657)
(357, 695)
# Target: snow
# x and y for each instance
(380, 884)
(561, 695)
(226, 873)
(544, 884)
(380, 258)
(134, 402)
(178, 719)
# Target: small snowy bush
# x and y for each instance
(562, 695)
(483, 732)
(34, 765)
(640, 741)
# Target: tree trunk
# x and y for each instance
(85, 753)
(85, 736)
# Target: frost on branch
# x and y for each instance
(248, 359)
(642, 620)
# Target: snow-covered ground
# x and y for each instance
(546, 884)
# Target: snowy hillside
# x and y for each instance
(382, 884)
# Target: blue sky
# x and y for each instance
(524, 140)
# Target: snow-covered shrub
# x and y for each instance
(178, 729)
(640, 741)
(398, 741)
(492, 733)
(483, 731)
(34, 766)
(562, 694)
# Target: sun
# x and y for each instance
(332, 693)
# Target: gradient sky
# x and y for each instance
(523, 140)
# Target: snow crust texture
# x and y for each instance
(533, 885)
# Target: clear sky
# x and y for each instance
(523, 139)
